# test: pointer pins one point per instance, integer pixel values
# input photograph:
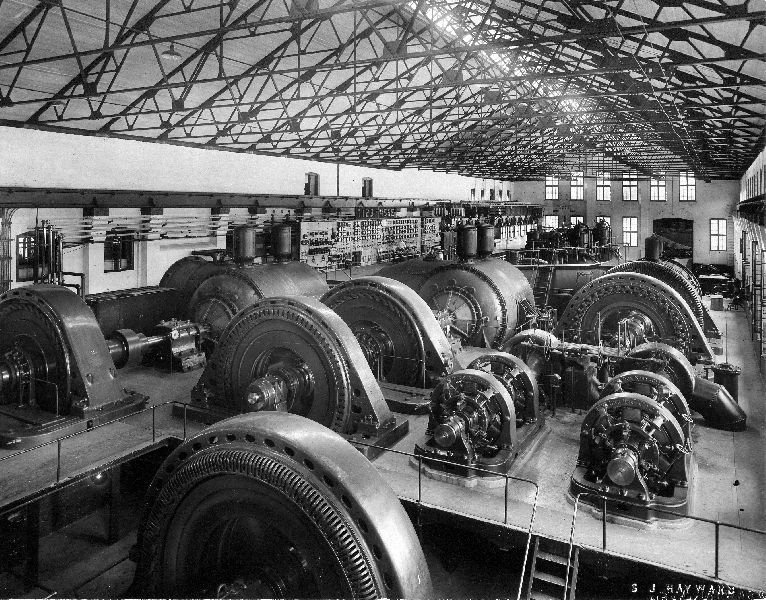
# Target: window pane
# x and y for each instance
(578, 185)
(551, 188)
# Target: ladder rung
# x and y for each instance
(555, 558)
(554, 579)
(543, 596)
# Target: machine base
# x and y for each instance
(373, 445)
(406, 399)
(369, 444)
(659, 508)
(529, 435)
(25, 427)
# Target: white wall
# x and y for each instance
(717, 199)
(31, 158)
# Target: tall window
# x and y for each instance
(575, 219)
(657, 188)
(718, 235)
(630, 231)
(577, 186)
(603, 187)
(688, 187)
(605, 218)
(551, 188)
(473, 194)
(551, 221)
(630, 187)
(118, 251)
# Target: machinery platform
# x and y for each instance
(730, 479)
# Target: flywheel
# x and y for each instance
(272, 505)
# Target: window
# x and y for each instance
(603, 187)
(688, 187)
(630, 187)
(550, 221)
(605, 219)
(657, 188)
(473, 194)
(118, 251)
(31, 255)
(718, 235)
(482, 194)
(575, 219)
(577, 185)
(630, 231)
(551, 188)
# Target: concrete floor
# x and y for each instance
(729, 487)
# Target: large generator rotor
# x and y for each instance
(53, 356)
(677, 278)
(630, 309)
(293, 355)
(34, 358)
(275, 506)
(395, 327)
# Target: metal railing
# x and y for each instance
(59, 441)
(603, 504)
(420, 464)
(507, 479)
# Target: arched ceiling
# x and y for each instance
(490, 88)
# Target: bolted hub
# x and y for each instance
(623, 467)
(635, 329)
(15, 371)
(280, 387)
(448, 433)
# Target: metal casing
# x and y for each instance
(139, 309)
(282, 241)
(231, 288)
(486, 292)
(248, 243)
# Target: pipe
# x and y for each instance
(716, 405)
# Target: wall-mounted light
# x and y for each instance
(170, 53)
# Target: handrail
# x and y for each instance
(505, 476)
(604, 501)
(420, 503)
(58, 441)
